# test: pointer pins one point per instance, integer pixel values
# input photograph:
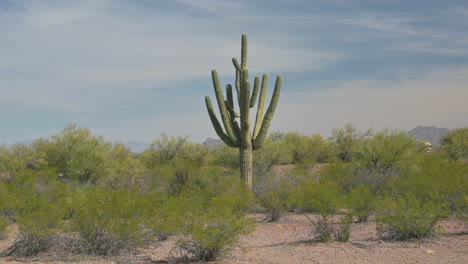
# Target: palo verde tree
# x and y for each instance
(239, 134)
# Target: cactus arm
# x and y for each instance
(236, 64)
(230, 103)
(232, 113)
(229, 95)
(256, 88)
(244, 51)
(258, 141)
(238, 76)
(217, 126)
(222, 107)
(261, 105)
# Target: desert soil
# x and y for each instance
(289, 241)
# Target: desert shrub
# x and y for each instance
(76, 154)
(107, 221)
(179, 181)
(454, 144)
(273, 193)
(38, 227)
(162, 217)
(409, 217)
(17, 158)
(342, 231)
(211, 183)
(361, 202)
(226, 157)
(346, 142)
(165, 151)
(436, 180)
(270, 154)
(388, 150)
(322, 227)
(124, 169)
(211, 228)
(6, 204)
(3, 227)
(322, 198)
(27, 191)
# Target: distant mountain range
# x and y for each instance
(428, 133)
(212, 142)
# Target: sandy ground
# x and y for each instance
(288, 241)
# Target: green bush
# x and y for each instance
(322, 228)
(162, 217)
(409, 217)
(38, 227)
(76, 154)
(3, 227)
(6, 203)
(211, 229)
(361, 202)
(342, 231)
(454, 144)
(107, 220)
(33, 199)
(321, 198)
(437, 180)
(273, 193)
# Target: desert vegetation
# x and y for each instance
(80, 194)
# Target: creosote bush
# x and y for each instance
(211, 230)
(361, 202)
(37, 229)
(409, 217)
(273, 194)
(107, 221)
(324, 200)
(342, 231)
(322, 228)
(3, 227)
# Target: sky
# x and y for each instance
(131, 70)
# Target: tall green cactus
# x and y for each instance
(239, 135)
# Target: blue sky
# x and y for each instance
(130, 70)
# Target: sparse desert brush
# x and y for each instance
(409, 217)
(38, 228)
(3, 227)
(342, 231)
(273, 194)
(361, 202)
(211, 229)
(107, 220)
(323, 199)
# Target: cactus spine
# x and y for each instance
(239, 134)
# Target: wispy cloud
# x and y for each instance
(85, 48)
(120, 64)
(217, 6)
(438, 98)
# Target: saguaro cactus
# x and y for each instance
(239, 134)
